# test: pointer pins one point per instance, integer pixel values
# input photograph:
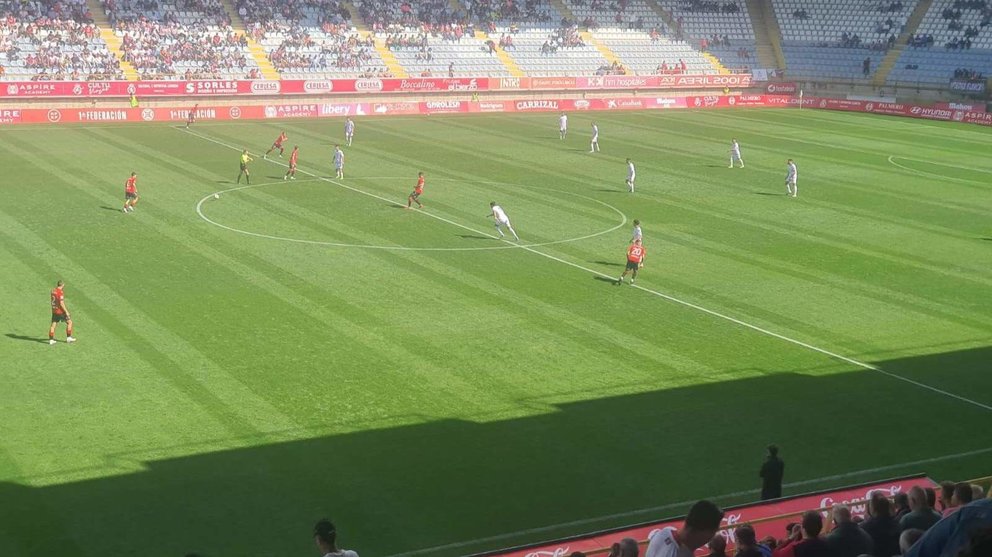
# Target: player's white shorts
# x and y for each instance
(791, 182)
(505, 222)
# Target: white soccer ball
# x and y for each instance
(216, 196)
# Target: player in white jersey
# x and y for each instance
(338, 162)
(735, 154)
(636, 233)
(349, 130)
(631, 174)
(791, 189)
(562, 125)
(594, 144)
(499, 215)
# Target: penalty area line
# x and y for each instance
(683, 504)
(657, 293)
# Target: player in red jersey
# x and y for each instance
(635, 260)
(130, 193)
(191, 117)
(277, 145)
(417, 191)
(291, 174)
(60, 314)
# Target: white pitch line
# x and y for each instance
(926, 174)
(662, 295)
(681, 504)
(206, 198)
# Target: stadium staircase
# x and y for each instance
(258, 51)
(388, 58)
(666, 16)
(889, 62)
(767, 34)
(605, 51)
(504, 57)
(113, 41)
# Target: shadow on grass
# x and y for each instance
(770, 193)
(612, 191)
(474, 237)
(43, 340)
(108, 208)
(609, 263)
(570, 457)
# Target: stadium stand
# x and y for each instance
(953, 36)
(183, 39)
(545, 42)
(53, 40)
(431, 38)
(834, 39)
(723, 29)
(639, 36)
(313, 38)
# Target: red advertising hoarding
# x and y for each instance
(333, 109)
(234, 87)
(855, 497)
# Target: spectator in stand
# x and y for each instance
(805, 540)
(961, 495)
(908, 538)
(921, 515)
(325, 536)
(747, 542)
(969, 526)
(772, 472)
(977, 492)
(946, 494)
(847, 539)
(717, 546)
(882, 526)
(900, 503)
(700, 525)
(931, 497)
(626, 547)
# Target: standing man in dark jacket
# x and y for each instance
(882, 526)
(771, 475)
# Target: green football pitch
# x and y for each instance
(250, 363)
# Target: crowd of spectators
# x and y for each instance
(381, 14)
(709, 6)
(180, 39)
(564, 37)
(514, 11)
(312, 35)
(54, 40)
(969, 75)
(921, 523)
